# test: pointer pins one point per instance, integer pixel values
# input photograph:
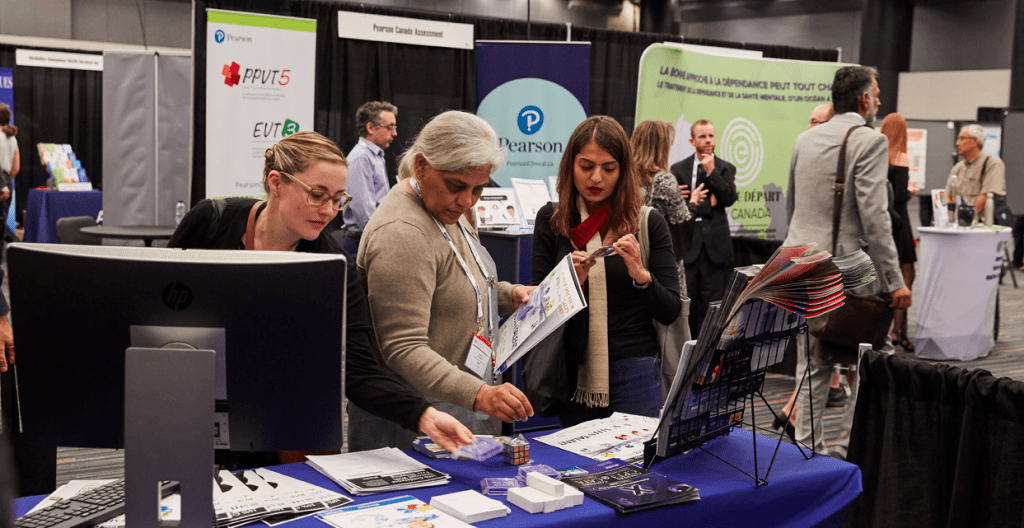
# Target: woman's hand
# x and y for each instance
(521, 294)
(912, 187)
(504, 402)
(698, 195)
(582, 269)
(629, 249)
(444, 429)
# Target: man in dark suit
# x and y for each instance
(708, 246)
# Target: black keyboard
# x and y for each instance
(89, 508)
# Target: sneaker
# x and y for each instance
(836, 397)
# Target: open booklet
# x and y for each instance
(557, 298)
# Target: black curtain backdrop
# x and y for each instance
(424, 81)
(54, 105)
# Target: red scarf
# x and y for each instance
(597, 220)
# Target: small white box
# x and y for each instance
(470, 506)
(574, 495)
(544, 483)
(530, 499)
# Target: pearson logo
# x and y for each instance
(530, 120)
(219, 36)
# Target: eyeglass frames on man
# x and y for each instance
(317, 197)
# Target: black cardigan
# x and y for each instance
(631, 332)
(367, 383)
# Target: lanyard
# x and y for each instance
(465, 267)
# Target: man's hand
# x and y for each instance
(979, 202)
(7, 343)
(707, 161)
(5, 194)
(444, 429)
(504, 402)
(521, 294)
(900, 299)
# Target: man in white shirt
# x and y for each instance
(367, 174)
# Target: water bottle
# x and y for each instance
(179, 212)
(989, 209)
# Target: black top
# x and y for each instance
(902, 231)
(367, 383)
(631, 331)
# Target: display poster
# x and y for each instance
(497, 208)
(533, 94)
(758, 108)
(260, 80)
(7, 98)
(993, 139)
(917, 151)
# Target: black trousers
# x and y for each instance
(1018, 241)
(705, 283)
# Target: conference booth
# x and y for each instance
(191, 128)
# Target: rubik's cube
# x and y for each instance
(516, 451)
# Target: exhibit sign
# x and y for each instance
(400, 30)
(758, 108)
(7, 98)
(260, 88)
(533, 94)
(58, 59)
(917, 151)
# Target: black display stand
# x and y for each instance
(733, 392)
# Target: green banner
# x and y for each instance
(758, 108)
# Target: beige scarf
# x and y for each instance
(592, 386)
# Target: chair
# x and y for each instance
(69, 231)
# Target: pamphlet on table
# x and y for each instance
(619, 436)
(404, 511)
(557, 298)
(377, 471)
(497, 208)
(247, 496)
(628, 488)
(533, 194)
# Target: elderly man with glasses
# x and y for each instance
(978, 173)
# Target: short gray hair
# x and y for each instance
(977, 132)
(370, 113)
(454, 141)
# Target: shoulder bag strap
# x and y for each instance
(838, 187)
(250, 227)
(984, 164)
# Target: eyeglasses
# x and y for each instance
(318, 198)
(391, 128)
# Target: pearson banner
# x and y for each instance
(533, 94)
(260, 79)
(758, 108)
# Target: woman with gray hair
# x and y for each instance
(432, 286)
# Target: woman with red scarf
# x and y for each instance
(612, 350)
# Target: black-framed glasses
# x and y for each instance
(318, 198)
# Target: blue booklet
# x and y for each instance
(628, 488)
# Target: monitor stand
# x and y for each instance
(169, 406)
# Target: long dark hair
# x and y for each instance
(625, 201)
(5, 121)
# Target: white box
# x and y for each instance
(574, 495)
(530, 499)
(544, 483)
(470, 506)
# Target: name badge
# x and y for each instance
(479, 359)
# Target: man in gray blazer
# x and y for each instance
(864, 223)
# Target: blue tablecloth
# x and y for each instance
(44, 207)
(800, 493)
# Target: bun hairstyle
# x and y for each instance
(294, 154)
(5, 121)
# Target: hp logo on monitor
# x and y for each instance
(177, 296)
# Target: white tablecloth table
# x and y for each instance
(955, 294)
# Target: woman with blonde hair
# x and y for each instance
(895, 128)
(304, 176)
(612, 354)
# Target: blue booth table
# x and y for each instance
(800, 493)
(44, 207)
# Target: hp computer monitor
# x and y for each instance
(279, 318)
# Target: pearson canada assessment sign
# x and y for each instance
(361, 26)
(260, 86)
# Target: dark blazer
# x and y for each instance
(709, 226)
